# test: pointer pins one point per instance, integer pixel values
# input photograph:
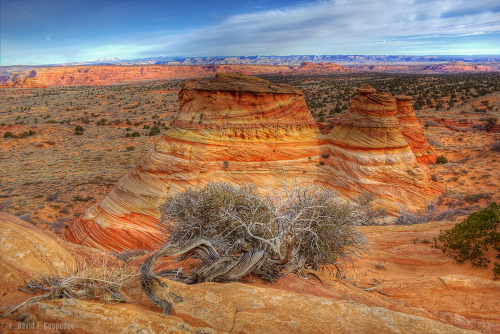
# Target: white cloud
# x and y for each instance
(334, 27)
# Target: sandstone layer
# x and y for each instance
(320, 68)
(113, 74)
(457, 67)
(369, 153)
(231, 128)
(413, 132)
(242, 129)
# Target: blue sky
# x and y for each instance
(58, 31)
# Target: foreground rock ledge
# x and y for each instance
(239, 308)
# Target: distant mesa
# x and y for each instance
(458, 67)
(320, 68)
(241, 129)
(115, 74)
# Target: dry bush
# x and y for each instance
(97, 280)
(310, 224)
(127, 256)
(430, 213)
(451, 202)
(235, 231)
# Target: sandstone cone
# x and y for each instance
(243, 129)
(231, 128)
(413, 132)
(370, 154)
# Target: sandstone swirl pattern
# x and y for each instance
(243, 129)
(369, 153)
(413, 132)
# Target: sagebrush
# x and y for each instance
(236, 231)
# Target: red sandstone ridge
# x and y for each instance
(369, 153)
(242, 129)
(413, 132)
(320, 68)
(457, 67)
(106, 75)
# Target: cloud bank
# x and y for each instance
(321, 27)
(346, 27)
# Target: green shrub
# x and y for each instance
(8, 134)
(79, 130)
(155, 130)
(130, 148)
(442, 160)
(135, 134)
(470, 239)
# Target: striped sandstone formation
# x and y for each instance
(370, 154)
(242, 129)
(413, 132)
(232, 128)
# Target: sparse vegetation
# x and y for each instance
(441, 159)
(428, 214)
(471, 238)
(100, 280)
(79, 130)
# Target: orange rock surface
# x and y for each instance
(28, 253)
(242, 129)
(413, 132)
(114, 74)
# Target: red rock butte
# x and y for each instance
(413, 132)
(369, 153)
(242, 129)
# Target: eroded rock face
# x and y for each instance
(369, 153)
(242, 129)
(114, 74)
(413, 132)
(231, 128)
(27, 253)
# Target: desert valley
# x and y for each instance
(88, 155)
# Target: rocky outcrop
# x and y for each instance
(242, 129)
(92, 317)
(368, 153)
(231, 128)
(457, 67)
(27, 253)
(320, 68)
(114, 74)
(413, 132)
(239, 308)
